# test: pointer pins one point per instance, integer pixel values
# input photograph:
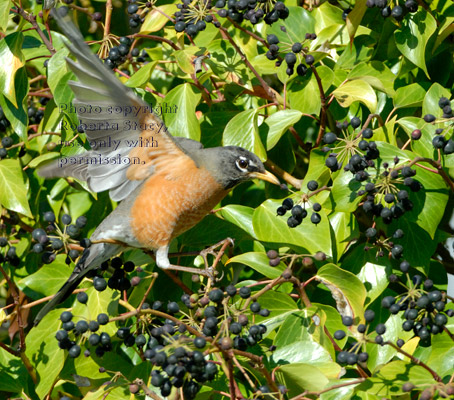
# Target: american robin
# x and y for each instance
(166, 184)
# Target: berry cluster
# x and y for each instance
(118, 54)
(299, 211)
(11, 255)
(193, 17)
(177, 358)
(72, 335)
(50, 245)
(397, 12)
(137, 11)
(440, 142)
(35, 115)
(118, 280)
(295, 53)
(396, 200)
(356, 353)
(352, 144)
(252, 10)
(423, 305)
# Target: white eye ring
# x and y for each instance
(242, 164)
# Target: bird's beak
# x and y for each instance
(265, 176)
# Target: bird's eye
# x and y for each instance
(242, 164)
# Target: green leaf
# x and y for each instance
(376, 74)
(413, 36)
(58, 76)
(300, 377)
(44, 354)
(380, 355)
(304, 94)
(11, 60)
(42, 158)
(184, 121)
(278, 124)
(185, 58)
(343, 196)
(430, 104)
(355, 16)
(388, 380)
(435, 190)
(226, 63)
(49, 278)
(18, 115)
(142, 76)
(269, 227)
(280, 306)
(423, 146)
(4, 14)
(157, 18)
(348, 291)
(242, 131)
(13, 373)
(260, 263)
(442, 356)
(13, 192)
(298, 23)
(308, 352)
(345, 229)
(357, 90)
(239, 215)
(304, 325)
(409, 96)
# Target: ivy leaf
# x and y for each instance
(142, 76)
(4, 14)
(183, 122)
(260, 263)
(410, 95)
(357, 90)
(157, 18)
(13, 192)
(44, 353)
(413, 36)
(269, 227)
(347, 290)
(11, 60)
(278, 123)
(355, 16)
(242, 131)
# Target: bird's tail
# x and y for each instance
(91, 259)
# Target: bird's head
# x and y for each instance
(232, 165)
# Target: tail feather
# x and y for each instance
(91, 259)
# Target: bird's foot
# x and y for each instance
(208, 272)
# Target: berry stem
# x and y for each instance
(324, 107)
(32, 19)
(157, 39)
(412, 358)
(265, 86)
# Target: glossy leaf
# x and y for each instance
(13, 192)
(412, 38)
(242, 130)
(183, 121)
(357, 90)
(347, 290)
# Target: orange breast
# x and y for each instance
(167, 207)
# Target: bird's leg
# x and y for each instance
(210, 250)
(162, 261)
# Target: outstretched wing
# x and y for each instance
(129, 142)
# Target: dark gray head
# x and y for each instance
(232, 165)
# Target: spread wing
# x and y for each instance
(129, 143)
